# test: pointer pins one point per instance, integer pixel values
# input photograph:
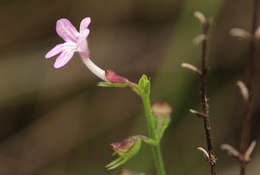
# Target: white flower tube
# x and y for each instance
(94, 68)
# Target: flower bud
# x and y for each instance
(112, 77)
(161, 109)
(126, 150)
(125, 145)
(161, 112)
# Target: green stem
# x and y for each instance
(156, 149)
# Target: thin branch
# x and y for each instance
(246, 126)
(204, 101)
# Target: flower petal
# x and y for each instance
(84, 24)
(54, 51)
(66, 30)
(82, 45)
(63, 58)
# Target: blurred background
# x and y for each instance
(58, 122)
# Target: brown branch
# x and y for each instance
(204, 101)
(246, 126)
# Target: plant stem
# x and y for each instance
(204, 102)
(246, 126)
(151, 128)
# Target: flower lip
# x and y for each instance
(54, 51)
(63, 59)
(66, 30)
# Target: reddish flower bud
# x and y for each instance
(112, 77)
(161, 109)
(125, 145)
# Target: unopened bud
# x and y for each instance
(161, 109)
(125, 145)
(161, 112)
(112, 77)
(126, 150)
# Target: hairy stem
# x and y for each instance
(246, 126)
(156, 149)
(204, 102)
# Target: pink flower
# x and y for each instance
(77, 42)
(74, 41)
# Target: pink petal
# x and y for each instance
(63, 58)
(82, 44)
(54, 51)
(66, 30)
(84, 24)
